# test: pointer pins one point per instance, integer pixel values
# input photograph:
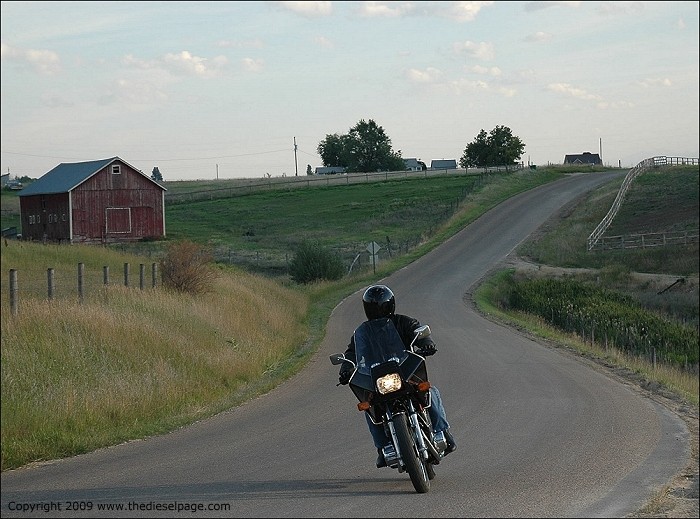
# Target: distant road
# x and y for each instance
(540, 433)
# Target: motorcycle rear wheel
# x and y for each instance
(415, 466)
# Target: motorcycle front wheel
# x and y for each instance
(415, 466)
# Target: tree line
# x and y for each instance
(367, 148)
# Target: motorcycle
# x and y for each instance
(391, 383)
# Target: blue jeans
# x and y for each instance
(437, 417)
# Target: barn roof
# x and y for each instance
(68, 175)
(584, 158)
(411, 163)
(443, 164)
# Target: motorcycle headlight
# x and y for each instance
(389, 383)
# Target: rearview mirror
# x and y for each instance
(337, 358)
(422, 331)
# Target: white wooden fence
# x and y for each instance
(643, 166)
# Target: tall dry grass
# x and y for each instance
(138, 362)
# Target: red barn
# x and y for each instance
(100, 201)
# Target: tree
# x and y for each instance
(155, 175)
(365, 148)
(334, 150)
(499, 148)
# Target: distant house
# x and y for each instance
(4, 180)
(100, 201)
(329, 170)
(591, 159)
(443, 164)
(414, 165)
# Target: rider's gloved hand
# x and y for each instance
(344, 375)
(428, 349)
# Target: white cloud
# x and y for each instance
(43, 61)
(308, 9)
(483, 51)
(567, 89)
(429, 75)
(490, 71)
(253, 65)
(324, 42)
(385, 9)
(466, 11)
(653, 82)
(185, 62)
(506, 91)
(538, 37)
(182, 63)
(538, 6)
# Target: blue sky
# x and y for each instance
(206, 90)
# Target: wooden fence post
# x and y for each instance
(126, 274)
(81, 275)
(50, 282)
(142, 275)
(14, 292)
(105, 275)
(154, 274)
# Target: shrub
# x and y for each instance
(313, 262)
(187, 267)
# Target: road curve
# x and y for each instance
(540, 433)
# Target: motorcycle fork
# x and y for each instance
(394, 439)
(418, 434)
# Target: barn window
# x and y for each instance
(116, 169)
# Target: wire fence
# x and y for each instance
(239, 188)
(80, 285)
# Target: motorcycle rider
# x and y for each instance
(379, 302)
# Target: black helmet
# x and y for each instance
(378, 301)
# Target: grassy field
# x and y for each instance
(130, 363)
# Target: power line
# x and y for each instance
(151, 159)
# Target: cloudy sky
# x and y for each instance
(206, 90)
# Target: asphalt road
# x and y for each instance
(540, 433)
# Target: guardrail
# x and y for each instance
(644, 165)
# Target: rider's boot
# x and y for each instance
(451, 444)
(381, 462)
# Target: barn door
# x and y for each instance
(118, 220)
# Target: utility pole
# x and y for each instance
(296, 167)
(600, 146)
(217, 172)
